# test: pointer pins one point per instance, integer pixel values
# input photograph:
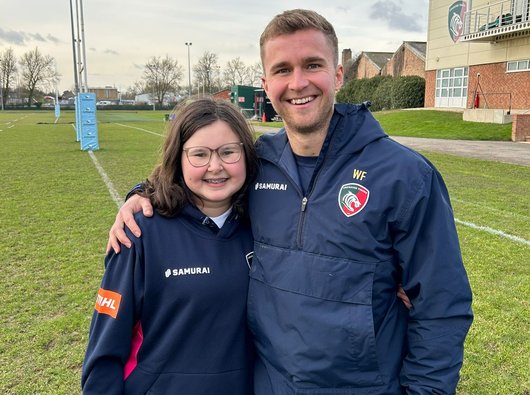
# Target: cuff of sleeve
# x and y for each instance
(137, 188)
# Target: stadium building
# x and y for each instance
(478, 55)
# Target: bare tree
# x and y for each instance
(37, 70)
(254, 74)
(162, 76)
(235, 72)
(8, 69)
(134, 90)
(205, 71)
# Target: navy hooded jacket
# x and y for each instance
(322, 299)
(170, 316)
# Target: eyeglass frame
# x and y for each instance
(216, 150)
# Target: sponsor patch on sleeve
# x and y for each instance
(108, 302)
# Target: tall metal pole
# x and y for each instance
(83, 46)
(189, 70)
(80, 64)
(76, 79)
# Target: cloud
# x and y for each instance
(53, 39)
(111, 52)
(22, 38)
(36, 37)
(394, 15)
(12, 37)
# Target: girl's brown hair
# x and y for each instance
(165, 187)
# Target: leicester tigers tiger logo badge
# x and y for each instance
(352, 199)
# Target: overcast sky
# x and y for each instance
(120, 36)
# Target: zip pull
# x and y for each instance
(304, 204)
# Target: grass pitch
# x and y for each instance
(56, 210)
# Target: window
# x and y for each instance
(451, 82)
(518, 65)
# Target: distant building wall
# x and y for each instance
(498, 89)
(404, 62)
(105, 93)
(366, 68)
(521, 127)
(222, 95)
(346, 56)
(430, 86)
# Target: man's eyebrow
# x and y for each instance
(307, 60)
(279, 65)
(312, 59)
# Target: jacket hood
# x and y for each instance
(346, 135)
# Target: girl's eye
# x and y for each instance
(199, 154)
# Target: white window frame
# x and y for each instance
(451, 87)
(519, 65)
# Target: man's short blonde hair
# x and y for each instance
(291, 21)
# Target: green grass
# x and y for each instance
(55, 212)
(441, 125)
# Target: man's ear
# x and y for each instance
(264, 83)
(339, 77)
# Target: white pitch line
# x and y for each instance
(113, 193)
(143, 130)
(490, 209)
(492, 231)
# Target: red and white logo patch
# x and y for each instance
(352, 199)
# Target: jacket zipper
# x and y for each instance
(301, 223)
(305, 199)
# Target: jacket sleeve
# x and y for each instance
(434, 278)
(117, 308)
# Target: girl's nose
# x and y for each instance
(216, 163)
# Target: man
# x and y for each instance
(341, 215)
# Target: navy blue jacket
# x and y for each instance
(322, 297)
(180, 317)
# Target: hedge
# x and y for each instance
(385, 92)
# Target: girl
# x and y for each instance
(170, 316)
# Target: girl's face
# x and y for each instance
(216, 182)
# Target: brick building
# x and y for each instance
(409, 59)
(478, 54)
(107, 93)
(365, 65)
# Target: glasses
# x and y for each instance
(201, 156)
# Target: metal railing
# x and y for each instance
(492, 16)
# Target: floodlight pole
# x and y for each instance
(83, 46)
(189, 70)
(74, 53)
(79, 55)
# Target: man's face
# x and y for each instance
(301, 79)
